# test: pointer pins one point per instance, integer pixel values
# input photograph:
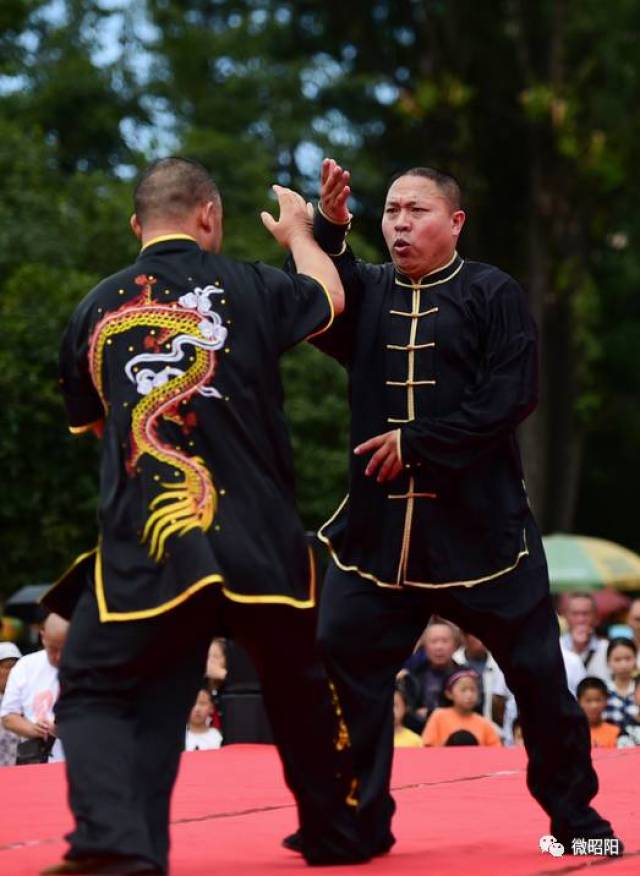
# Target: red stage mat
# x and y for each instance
(461, 812)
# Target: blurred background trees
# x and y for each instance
(532, 106)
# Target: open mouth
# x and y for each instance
(401, 246)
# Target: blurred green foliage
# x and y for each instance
(532, 106)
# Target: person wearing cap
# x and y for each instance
(31, 693)
(441, 356)
(462, 689)
(9, 656)
(174, 360)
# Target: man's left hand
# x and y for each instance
(386, 458)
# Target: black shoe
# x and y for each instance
(596, 837)
(293, 842)
(103, 865)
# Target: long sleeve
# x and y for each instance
(503, 394)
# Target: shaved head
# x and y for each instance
(446, 184)
(171, 188)
(54, 633)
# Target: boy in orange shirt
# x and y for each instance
(462, 688)
(592, 696)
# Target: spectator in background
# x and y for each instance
(402, 736)
(622, 708)
(633, 620)
(31, 692)
(216, 673)
(201, 736)
(429, 670)
(9, 656)
(473, 653)
(516, 731)
(592, 696)
(581, 616)
(504, 704)
(462, 688)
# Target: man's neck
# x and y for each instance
(438, 265)
(149, 235)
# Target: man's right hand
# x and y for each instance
(334, 192)
(294, 221)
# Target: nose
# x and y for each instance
(402, 221)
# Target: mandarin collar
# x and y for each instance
(440, 275)
(169, 242)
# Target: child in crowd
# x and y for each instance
(462, 688)
(402, 736)
(516, 730)
(592, 696)
(200, 735)
(622, 708)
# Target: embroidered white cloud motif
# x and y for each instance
(199, 298)
(213, 337)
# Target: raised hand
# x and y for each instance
(334, 192)
(295, 220)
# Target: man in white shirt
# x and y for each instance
(506, 701)
(9, 656)
(474, 653)
(32, 689)
(581, 616)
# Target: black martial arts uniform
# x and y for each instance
(178, 355)
(450, 362)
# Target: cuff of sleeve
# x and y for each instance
(408, 455)
(330, 236)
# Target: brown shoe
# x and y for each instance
(103, 865)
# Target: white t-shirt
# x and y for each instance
(575, 673)
(202, 741)
(32, 690)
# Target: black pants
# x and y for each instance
(126, 691)
(367, 632)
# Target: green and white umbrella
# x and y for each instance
(579, 562)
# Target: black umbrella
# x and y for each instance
(25, 603)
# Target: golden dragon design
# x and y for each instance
(191, 500)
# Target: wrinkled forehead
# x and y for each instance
(413, 189)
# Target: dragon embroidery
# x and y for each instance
(191, 500)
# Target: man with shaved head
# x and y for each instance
(31, 692)
(175, 361)
(441, 354)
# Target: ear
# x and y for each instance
(136, 227)
(210, 220)
(448, 695)
(457, 221)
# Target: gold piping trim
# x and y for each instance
(406, 536)
(398, 420)
(274, 598)
(413, 314)
(421, 285)
(399, 444)
(163, 237)
(410, 382)
(470, 582)
(413, 496)
(332, 314)
(106, 615)
(345, 225)
(343, 249)
(64, 575)
(410, 347)
(80, 430)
